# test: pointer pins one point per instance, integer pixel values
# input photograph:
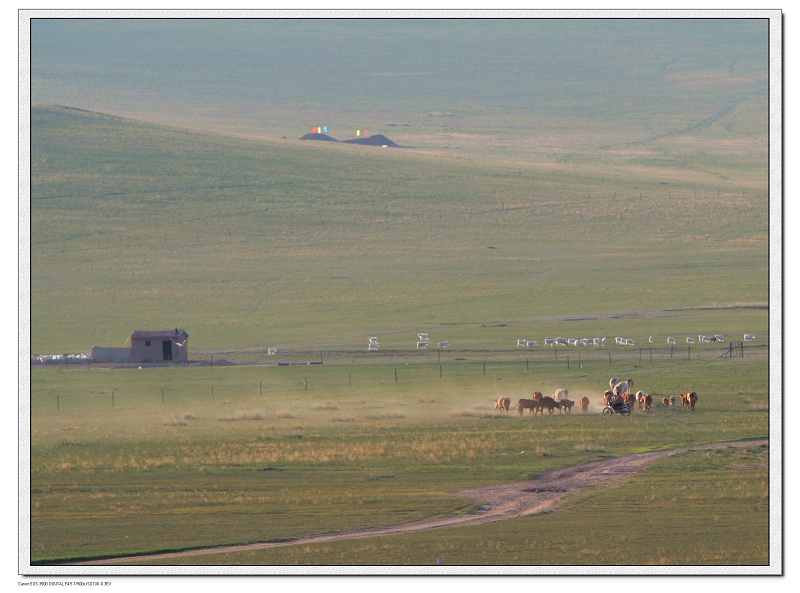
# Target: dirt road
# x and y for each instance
(504, 501)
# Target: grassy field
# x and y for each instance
(271, 242)
(617, 187)
(722, 495)
(128, 461)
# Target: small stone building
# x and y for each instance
(160, 346)
(169, 345)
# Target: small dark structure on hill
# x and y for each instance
(317, 136)
(376, 140)
(169, 345)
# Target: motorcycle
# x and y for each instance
(616, 408)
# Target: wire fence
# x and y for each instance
(299, 378)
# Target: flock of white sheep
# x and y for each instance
(620, 341)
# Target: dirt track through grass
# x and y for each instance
(503, 501)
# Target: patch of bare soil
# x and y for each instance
(503, 501)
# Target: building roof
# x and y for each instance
(163, 334)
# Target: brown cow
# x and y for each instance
(665, 401)
(503, 403)
(646, 402)
(607, 395)
(628, 398)
(526, 404)
(566, 404)
(690, 401)
(671, 401)
(537, 395)
(546, 402)
(584, 404)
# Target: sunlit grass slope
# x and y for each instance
(244, 242)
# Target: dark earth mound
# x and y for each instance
(376, 140)
(318, 137)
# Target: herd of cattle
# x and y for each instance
(621, 391)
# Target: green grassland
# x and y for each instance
(291, 243)
(615, 188)
(127, 461)
(313, 248)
